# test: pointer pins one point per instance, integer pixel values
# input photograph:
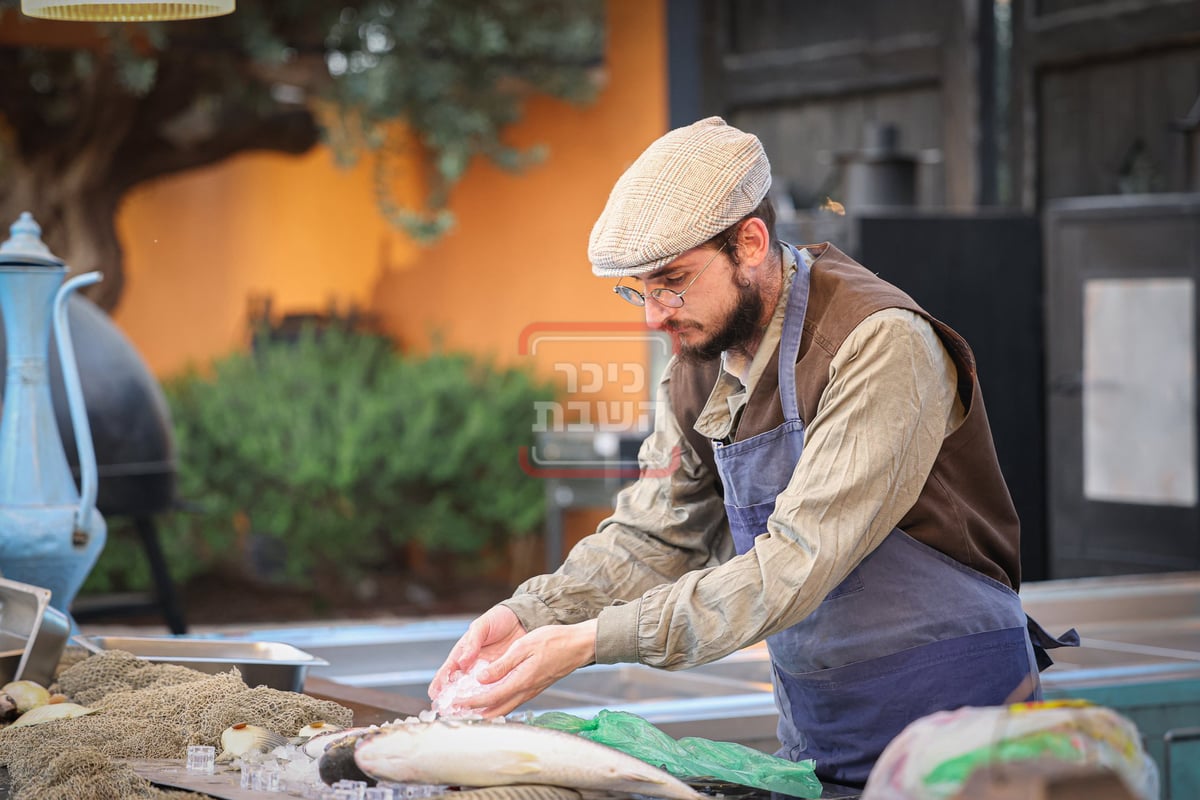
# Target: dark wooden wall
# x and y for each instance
(1012, 103)
(1089, 97)
(806, 77)
(1098, 89)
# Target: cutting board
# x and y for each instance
(225, 783)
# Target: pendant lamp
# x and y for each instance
(127, 11)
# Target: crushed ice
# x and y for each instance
(453, 700)
(289, 769)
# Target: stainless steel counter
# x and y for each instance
(1144, 624)
(729, 700)
(1133, 629)
(1140, 654)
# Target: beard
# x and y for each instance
(738, 329)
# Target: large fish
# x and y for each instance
(456, 753)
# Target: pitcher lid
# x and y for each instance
(25, 246)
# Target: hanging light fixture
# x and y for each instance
(127, 11)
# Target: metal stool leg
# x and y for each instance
(1169, 738)
(168, 598)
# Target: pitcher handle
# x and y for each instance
(79, 419)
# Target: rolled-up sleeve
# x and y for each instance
(669, 522)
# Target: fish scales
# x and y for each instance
(481, 754)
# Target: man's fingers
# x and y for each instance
(508, 693)
(490, 636)
(506, 665)
(461, 657)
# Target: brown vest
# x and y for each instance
(964, 509)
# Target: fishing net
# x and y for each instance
(91, 773)
(143, 710)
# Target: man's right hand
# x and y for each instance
(488, 637)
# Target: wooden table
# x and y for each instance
(370, 707)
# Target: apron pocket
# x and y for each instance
(849, 714)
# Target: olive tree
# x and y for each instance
(89, 111)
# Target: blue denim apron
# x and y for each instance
(910, 631)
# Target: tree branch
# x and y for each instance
(293, 132)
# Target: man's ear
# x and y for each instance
(753, 243)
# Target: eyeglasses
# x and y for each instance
(662, 295)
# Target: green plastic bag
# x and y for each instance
(691, 757)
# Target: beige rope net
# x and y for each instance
(143, 710)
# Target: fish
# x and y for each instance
(482, 754)
(337, 762)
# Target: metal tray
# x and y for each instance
(32, 633)
(273, 664)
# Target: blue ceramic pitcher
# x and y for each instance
(50, 532)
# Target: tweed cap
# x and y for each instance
(688, 186)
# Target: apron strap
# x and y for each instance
(793, 330)
(1043, 641)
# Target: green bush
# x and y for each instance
(337, 453)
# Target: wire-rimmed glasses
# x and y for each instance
(662, 295)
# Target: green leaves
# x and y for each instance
(135, 71)
(458, 72)
(338, 452)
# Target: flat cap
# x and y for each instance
(688, 186)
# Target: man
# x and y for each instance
(836, 491)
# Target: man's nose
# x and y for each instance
(657, 314)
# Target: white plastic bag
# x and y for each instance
(933, 757)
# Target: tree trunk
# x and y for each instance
(72, 177)
(77, 226)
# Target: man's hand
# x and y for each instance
(488, 637)
(532, 663)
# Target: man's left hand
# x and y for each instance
(532, 663)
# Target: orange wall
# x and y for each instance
(200, 246)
